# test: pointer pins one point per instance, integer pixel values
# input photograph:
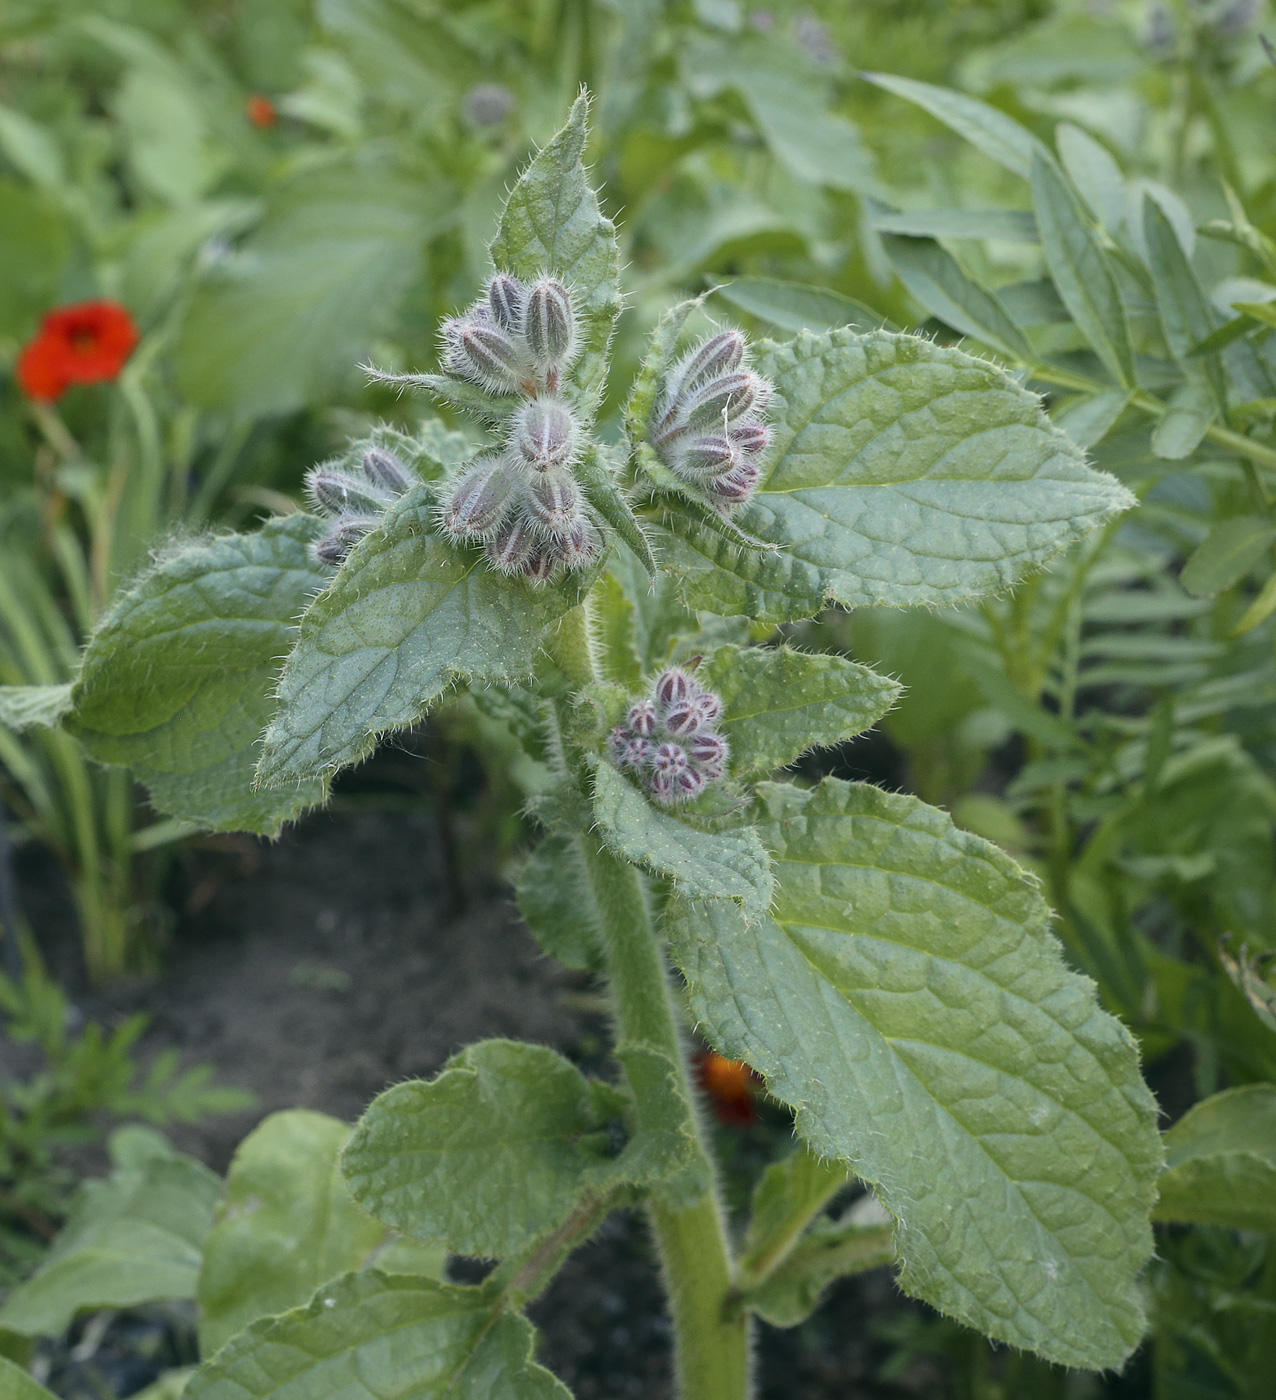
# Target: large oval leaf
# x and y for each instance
(406, 617)
(906, 998)
(903, 473)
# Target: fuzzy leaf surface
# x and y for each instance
(907, 999)
(176, 681)
(484, 1157)
(777, 702)
(829, 1251)
(33, 706)
(135, 1237)
(903, 473)
(287, 1223)
(552, 223)
(405, 618)
(369, 1336)
(1220, 1163)
(555, 897)
(726, 865)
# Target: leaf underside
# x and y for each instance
(907, 999)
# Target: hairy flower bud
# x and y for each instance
(708, 706)
(684, 718)
(638, 752)
(549, 323)
(484, 354)
(513, 546)
(735, 487)
(672, 687)
(342, 538)
(539, 564)
(553, 502)
(642, 719)
(581, 544)
(750, 436)
(335, 492)
(384, 469)
(669, 758)
(618, 744)
(506, 297)
(724, 399)
(708, 456)
(720, 354)
(661, 784)
(708, 752)
(545, 433)
(688, 783)
(481, 500)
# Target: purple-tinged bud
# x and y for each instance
(669, 758)
(720, 354)
(484, 354)
(687, 784)
(339, 493)
(481, 500)
(750, 436)
(724, 399)
(618, 742)
(545, 433)
(487, 105)
(673, 686)
(684, 718)
(513, 546)
(538, 566)
(709, 706)
(660, 783)
(384, 469)
(638, 753)
(506, 297)
(342, 538)
(549, 323)
(708, 751)
(581, 545)
(707, 456)
(642, 719)
(553, 502)
(735, 487)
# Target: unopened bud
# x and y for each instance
(708, 456)
(709, 707)
(750, 436)
(618, 743)
(724, 399)
(720, 354)
(642, 719)
(553, 502)
(684, 718)
(673, 686)
(687, 784)
(538, 566)
(549, 323)
(709, 752)
(581, 545)
(513, 546)
(338, 493)
(484, 354)
(669, 758)
(384, 469)
(342, 538)
(735, 487)
(481, 499)
(660, 783)
(638, 753)
(506, 296)
(545, 433)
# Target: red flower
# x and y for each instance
(730, 1085)
(82, 344)
(261, 111)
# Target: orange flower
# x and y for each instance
(83, 344)
(261, 111)
(730, 1085)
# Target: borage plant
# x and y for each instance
(893, 979)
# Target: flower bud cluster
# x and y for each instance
(354, 502)
(670, 740)
(709, 424)
(522, 503)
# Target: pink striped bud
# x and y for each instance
(720, 354)
(674, 685)
(342, 538)
(553, 502)
(725, 399)
(709, 707)
(638, 753)
(735, 487)
(688, 784)
(484, 354)
(683, 718)
(384, 469)
(513, 546)
(581, 545)
(506, 297)
(707, 456)
(708, 752)
(481, 500)
(669, 758)
(545, 433)
(538, 566)
(339, 493)
(642, 719)
(660, 783)
(549, 324)
(750, 436)
(618, 744)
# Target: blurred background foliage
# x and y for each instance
(279, 190)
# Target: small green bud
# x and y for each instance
(342, 538)
(506, 297)
(484, 354)
(481, 499)
(549, 324)
(512, 547)
(385, 470)
(335, 492)
(545, 433)
(553, 502)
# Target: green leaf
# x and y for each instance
(788, 1195)
(1088, 421)
(135, 1237)
(727, 865)
(936, 279)
(1093, 171)
(1227, 554)
(1080, 270)
(556, 899)
(17, 1384)
(1187, 418)
(1185, 311)
(815, 144)
(1009, 225)
(902, 473)
(907, 999)
(286, 1225)
(996, 134)
(279, 323)
(792, 306)
(406, 617)
(1220, 1162)
(777, 702)
(170, 1386)
(370, 1336)
(663, 1146)
(552, 223)
(829, 1251)
(177, 681)
(595, 474)
(485, 1157)
(33, 706)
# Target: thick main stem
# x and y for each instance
(711, 1348)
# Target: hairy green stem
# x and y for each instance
(711, 1348)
